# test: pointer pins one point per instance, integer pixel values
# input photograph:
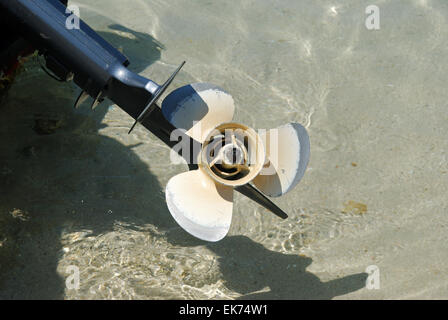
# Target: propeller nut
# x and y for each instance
(232, 154)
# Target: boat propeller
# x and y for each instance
(231, 156)
(226, 155)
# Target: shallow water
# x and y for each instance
(374, 103)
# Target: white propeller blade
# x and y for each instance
(288, 151)
(198, 108)
(201, 200)
(199, 205)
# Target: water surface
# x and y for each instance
(375, 193)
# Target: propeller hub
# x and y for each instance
(232, 154)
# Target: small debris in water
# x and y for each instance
(44, 126)
(354, 207)
(19, 214)
(354, 164)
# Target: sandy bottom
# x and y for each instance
(77, 190)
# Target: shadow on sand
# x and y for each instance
(249, 267)
(58, 173)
